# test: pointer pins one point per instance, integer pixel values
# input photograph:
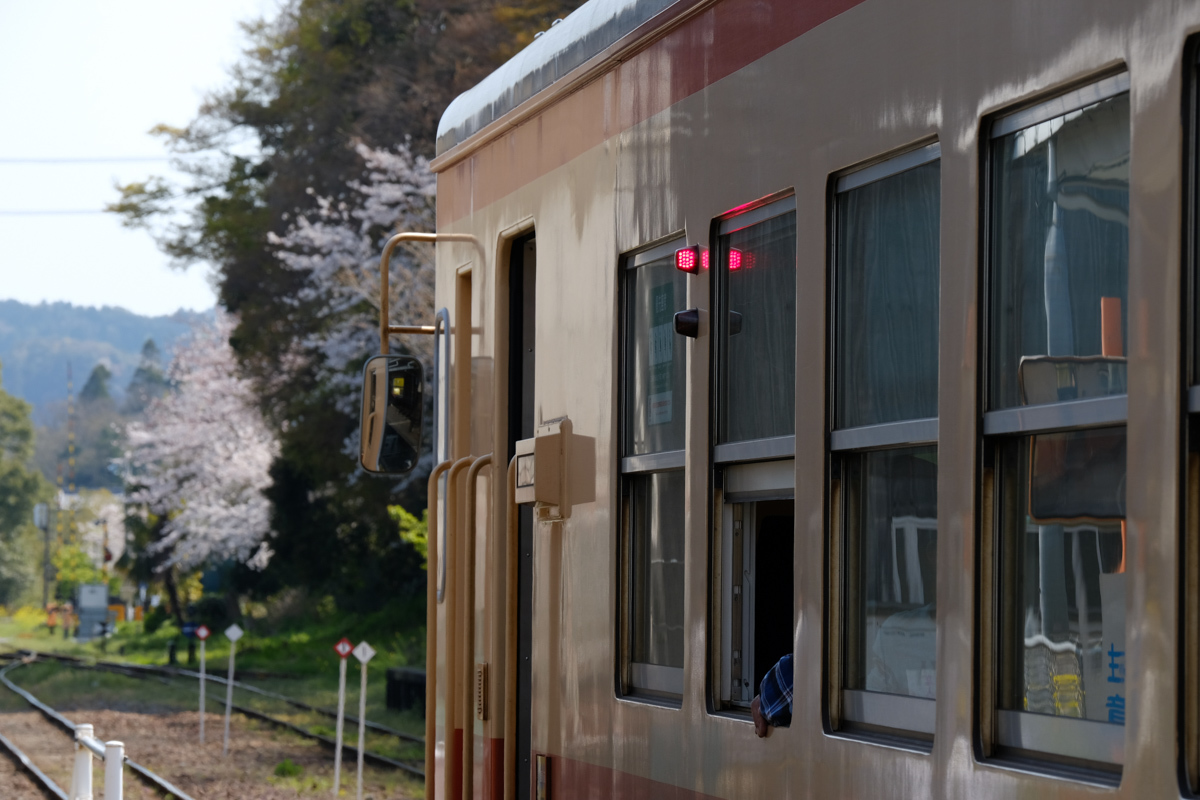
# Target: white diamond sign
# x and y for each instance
(364, 652)
(233, 632)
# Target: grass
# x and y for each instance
(65, 689)
(298, 662)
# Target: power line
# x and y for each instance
(16, 212)
(85, 160)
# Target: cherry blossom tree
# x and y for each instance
(197, 466)
(338, 247)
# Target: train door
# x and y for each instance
(522, 283)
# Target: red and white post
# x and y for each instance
(202, 633)
(343, 649)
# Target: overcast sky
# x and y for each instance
(86, 80)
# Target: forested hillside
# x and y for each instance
(339, 100)
(38, 341)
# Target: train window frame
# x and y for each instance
(637, 680)
(745, 473)
(1189, 687)
(1078, 745)
(746, 488)
(862, 711)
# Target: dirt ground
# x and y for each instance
(167, 743)
(16, 783)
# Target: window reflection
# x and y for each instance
(1062, 530)
(887, 299)
(891, 571)
(1060, 258)
(657, 545)
(758, 340)
(654, 366)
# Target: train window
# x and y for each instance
(756, 287)
(653, 397)
(1054, 446)
(754, 304)
(756, 556)
(884, 442)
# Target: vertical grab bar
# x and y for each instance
(431, 565)
(441, 433)
(468, 632)
(512, 560)
(450, 595)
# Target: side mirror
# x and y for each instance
(392, 410)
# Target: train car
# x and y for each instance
(860, 331)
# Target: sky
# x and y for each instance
(87, 80)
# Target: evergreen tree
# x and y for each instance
(148, 382)
(96, 388)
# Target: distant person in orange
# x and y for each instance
(52, 617)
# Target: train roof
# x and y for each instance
(585, 33)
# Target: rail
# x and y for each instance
(124, 669)
(112, 753)
(171, 672)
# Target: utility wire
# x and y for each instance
(85, 160)
(7, 212)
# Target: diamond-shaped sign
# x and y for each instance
(364, 652)
(233, 632)
(343, 647)
(203, 632)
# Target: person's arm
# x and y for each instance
(773, 705)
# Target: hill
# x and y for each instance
(38, 341)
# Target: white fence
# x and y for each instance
(113, 754)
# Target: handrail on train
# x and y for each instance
(384, 266)
(468, 632)
(511, 567)
(448, 592)
(430, 625)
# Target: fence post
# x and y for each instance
(114, 770)
(81, 777)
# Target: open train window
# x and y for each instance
(883, 443)
(754, 307)
(653, 395)
(1054, 465)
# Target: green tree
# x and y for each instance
(21, 487)
(148, 382)
(413, 531)
(73, 567)
(96, 388)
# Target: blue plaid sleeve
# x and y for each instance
(775, 693)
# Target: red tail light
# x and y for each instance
(688, 259)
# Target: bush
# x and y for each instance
(155, 619)
(288, 769)
(29, 615)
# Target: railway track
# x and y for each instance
(172, 672)
(141, 672)
(47, 784)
